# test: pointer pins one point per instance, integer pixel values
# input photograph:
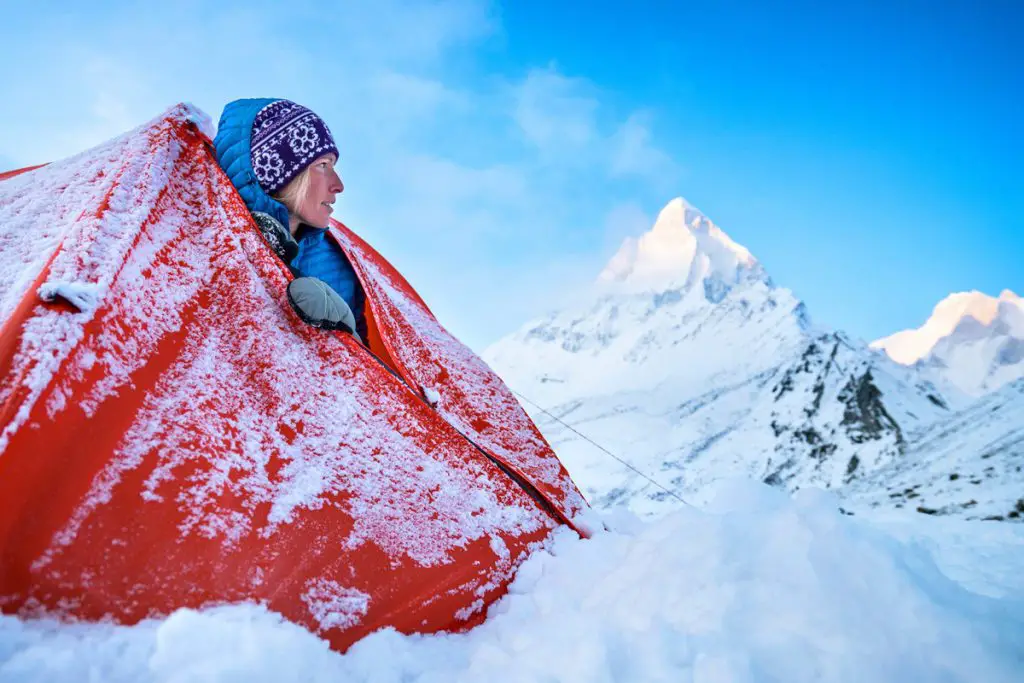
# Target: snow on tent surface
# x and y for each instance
(174, 436)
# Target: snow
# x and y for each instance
(972, 340)
(334, 605)
(238, 432)
(969, 464)
(757, 587)
(122, 248)
(475, 401)
(212, 372)
(910, 346)
(202, 120)
(708, 371)
(683, 247)
(51, 216)
(692, 380)
(81, 295)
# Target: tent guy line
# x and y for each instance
(599, 446)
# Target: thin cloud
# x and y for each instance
(486, 190)
(634, 153)
(554, 112)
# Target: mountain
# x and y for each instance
(690, 364)
(972, 340)
(683, 248)
(969, 464)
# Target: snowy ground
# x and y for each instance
(758, 587)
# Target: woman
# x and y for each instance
(280, 156)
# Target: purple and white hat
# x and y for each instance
(286, 138)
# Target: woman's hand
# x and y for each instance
(320, 306)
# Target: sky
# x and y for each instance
(869, 154)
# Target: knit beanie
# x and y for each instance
(286, 138)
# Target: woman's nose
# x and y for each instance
(336, 185)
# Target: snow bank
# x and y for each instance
(759, 587)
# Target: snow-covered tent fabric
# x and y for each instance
(173, 435)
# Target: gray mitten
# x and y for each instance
(320, 306)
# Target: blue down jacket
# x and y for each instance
(318, 256)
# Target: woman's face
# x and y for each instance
(324, 186)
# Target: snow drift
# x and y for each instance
(760, 588)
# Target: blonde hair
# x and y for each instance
(293, 194)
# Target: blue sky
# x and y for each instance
(870, 155)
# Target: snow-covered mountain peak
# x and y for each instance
(690, 384)
(976, 340)
(682, 249)
(677, 213)
(951, 311)
(961, 310)
(674, 293)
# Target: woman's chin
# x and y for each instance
(319, 221)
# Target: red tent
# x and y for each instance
(173, 435)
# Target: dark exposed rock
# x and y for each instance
(808, 435)
(865, 416)
(785, 385)
(818, 391)
(823, 451)
(851, 466)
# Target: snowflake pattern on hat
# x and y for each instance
(287, 138)
(303, 138)
(269, 167)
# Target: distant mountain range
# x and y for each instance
(688, 362)
(973, 340)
